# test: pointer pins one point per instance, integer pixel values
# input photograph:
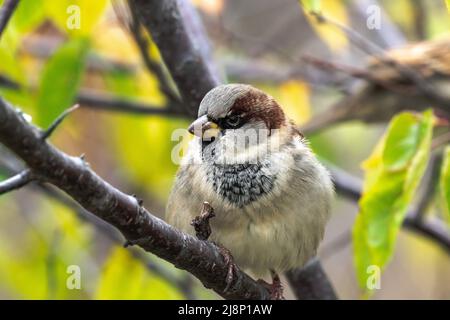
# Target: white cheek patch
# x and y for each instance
(248, 145)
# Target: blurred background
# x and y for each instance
(47, 65)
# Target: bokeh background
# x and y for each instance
(45, 67)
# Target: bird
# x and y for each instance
(270, 194)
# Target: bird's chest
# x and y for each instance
(242, 184)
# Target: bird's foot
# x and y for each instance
(201, 222)
(275, 288)
(232, 267)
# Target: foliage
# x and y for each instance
(393, 172)
(60, 80)
(444, 184)
(125, 278)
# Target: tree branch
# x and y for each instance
(6, 13)
(311, 282)
(73, 176)
(153, 66)
(109, 103)
(182, 53)
(18, 181)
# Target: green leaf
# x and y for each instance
(444, 184)
(60, 80)
(392, 174)
(311, 5)
(28, 15)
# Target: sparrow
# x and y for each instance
(271, 196)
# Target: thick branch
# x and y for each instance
(171, 24)
(153, 66)
(73, 176)
(311, 282)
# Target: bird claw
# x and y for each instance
(275, 288)
(232, 267)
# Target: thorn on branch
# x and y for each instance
(47, 133)
(201, 222)
(140, 202)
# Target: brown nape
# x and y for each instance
(256, 105)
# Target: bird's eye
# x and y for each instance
(233, 121)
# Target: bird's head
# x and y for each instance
(236, 106)
(234, 113)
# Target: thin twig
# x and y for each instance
(16, 182)
(97, 101)
(182, 54)
(153, 66)
(48, 132)
(354, 36)
(6, 12)
(377, 52)
(430, 183)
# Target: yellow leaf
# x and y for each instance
(336, 11)
(293, 96)
(124, 277)
(76, 17)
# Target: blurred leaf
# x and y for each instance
(28, 15)
(12, 69)
(447, 4)
(336, 11)
(124, 277)
(143, 145)
(294, 97)
(402, 13)
(311, 5)
(66, 14)
(60, 80)
(392, 174)
(34, 264)
(444, 183)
